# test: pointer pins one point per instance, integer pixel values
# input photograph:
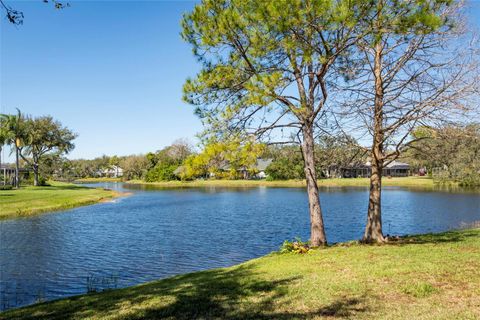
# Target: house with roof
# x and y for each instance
(7, 173)
(393, 169)
(112, 171)
(258, 169)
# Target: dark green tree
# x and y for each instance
(44, 135)
(4, 139)
(287, 163)
(14, 128)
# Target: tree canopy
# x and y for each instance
(267, 70)
(450, 152)
(44, 135)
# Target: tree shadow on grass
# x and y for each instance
(428, 238)
(342, 308)
(237, 293)
(437, 238)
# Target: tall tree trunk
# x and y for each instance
(35, 174)
(17, 168)
(373, 230)
(317, 230)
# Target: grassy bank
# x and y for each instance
(94, 180)
(33, 200)
(424, 277)
(401, 182)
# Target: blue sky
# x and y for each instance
(111, 70)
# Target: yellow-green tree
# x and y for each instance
(267, 69)
(228, 159)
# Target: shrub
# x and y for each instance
(42, 181)
(29, 181)
(161, 172)
(285, 169)
(296, 246)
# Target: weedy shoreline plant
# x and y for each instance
(297, 246)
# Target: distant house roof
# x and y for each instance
(12, 167)
(392, 165)
(179, 170)
(224, 165)
(262, 164)
(398, 165)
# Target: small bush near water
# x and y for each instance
(296, 246)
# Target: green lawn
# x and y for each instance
(403, 182)
(424, 277)
(33, 200)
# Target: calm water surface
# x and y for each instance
(158, 233)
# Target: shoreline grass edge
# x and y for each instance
(423, 277)
(30, 201)
(334, 182)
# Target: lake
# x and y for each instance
(156, 233)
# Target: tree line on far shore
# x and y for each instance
(449, 154)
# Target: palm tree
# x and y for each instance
(3, 141)
(13, 129)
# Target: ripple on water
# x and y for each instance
(154, 234)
